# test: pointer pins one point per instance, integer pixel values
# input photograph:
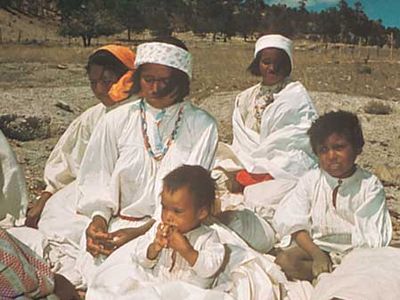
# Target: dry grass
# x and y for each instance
(218, 67)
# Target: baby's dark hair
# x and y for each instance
(107, 60)
(198, 181)
(180, 81)
(341, 122)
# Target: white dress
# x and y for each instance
(119, 180)
(360, 219)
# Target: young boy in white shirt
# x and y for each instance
(334, 208)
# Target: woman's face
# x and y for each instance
(154, 79)
(274, 66)
(101, 80)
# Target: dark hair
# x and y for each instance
(254, 67)
(179, 80)
(107, 60)
(341, 122)
(197, 180)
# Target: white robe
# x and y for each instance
(360, 219)
(13, 193)
(281, 148)
(118, 177)
(65, 159)
(60, 175)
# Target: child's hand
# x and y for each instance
(321, 263)
(178, 242)
(160, 241)
(162, 235)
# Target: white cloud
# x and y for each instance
(294, 3)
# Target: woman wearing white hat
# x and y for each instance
(270, 148)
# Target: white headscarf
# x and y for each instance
(164, 54)
(275, 41)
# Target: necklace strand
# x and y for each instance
(168, 142)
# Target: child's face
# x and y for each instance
(274, 66)
(337, 156)
(178, 210)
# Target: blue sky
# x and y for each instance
(386, 10)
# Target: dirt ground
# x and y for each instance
(48, 81)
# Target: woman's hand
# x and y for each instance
(97, 237)
(35, 210)
(321, 263)
(120, 237)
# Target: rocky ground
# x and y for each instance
(54, 108)
(43, 87)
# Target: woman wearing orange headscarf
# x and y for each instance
(110, 70)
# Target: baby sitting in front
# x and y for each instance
(181, 247)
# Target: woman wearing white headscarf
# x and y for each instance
(135, 146)
(270, 148)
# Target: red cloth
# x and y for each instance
(22, 272)
(245, 178)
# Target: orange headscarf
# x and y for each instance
(120, 90)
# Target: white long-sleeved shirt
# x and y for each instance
(65, 159)
(203, 239)
(281, 147)
(119, 177)
(360, 219)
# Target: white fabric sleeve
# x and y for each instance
(211, 256)
(141, 246)
(64, 161)
(13, 193)
(373, 226)
(94, 177)
(294, 211)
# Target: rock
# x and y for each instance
(25, 128)
(64, 106)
